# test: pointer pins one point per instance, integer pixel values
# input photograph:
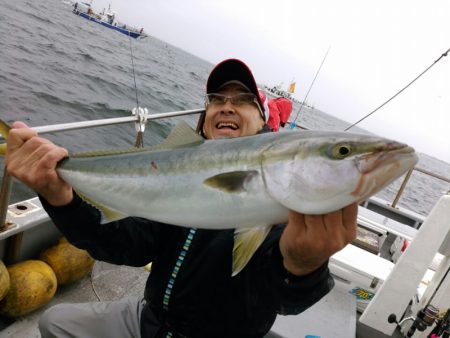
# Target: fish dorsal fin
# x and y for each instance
(246, 242)
(107, 214)
(180, 136)
(233, 181)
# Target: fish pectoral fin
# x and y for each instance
(107, 214)
(4, 132)
(180, 136)
(233, 181)
(148, 267)
(246, 242)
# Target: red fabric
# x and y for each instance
(262, 95)
(284, 107)
(405, 245)
(274, 116)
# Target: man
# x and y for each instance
(190, 291)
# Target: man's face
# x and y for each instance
(225, 120)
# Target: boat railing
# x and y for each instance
(408, 176)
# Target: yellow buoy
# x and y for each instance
(32, 285)
(68, 262)
(4, 280)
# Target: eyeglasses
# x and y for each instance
(238, 100)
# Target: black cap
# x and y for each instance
(232, 70)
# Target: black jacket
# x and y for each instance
(190, 291)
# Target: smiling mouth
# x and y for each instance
(228, 125)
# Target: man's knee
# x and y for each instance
(51, 319)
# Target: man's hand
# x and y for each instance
(33, 160)
(309, 240)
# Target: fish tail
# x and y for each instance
(4, 132)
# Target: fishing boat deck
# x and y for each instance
(334, 316)
(109, 282)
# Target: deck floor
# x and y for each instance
(109, 282)
(114, 282)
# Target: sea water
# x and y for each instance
(56, 67)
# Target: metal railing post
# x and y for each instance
(402, 187)
(5, 193)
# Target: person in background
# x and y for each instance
(284, 106)
(278, 110)
(271, 111)
(274, 117)
(190, 291)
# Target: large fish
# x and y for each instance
(248, 183)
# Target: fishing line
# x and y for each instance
(362, 119)
(438, 287)
(293, 123)
(132, 67)
(139, 143)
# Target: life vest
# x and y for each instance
(285, 108)
(274, 115)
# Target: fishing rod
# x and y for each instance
(110, 121)
(409, 84)
(293, 123)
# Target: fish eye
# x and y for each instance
(341, 151)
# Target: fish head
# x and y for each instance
(321, 172)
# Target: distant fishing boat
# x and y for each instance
(107, 19)
(277, 91)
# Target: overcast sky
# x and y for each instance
(376, 48)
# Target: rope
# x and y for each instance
(142, 116)
(139, 143)
(362, 119)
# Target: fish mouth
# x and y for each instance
(392, 153)
(227, 125)
(383, 167)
